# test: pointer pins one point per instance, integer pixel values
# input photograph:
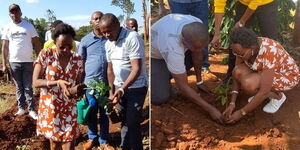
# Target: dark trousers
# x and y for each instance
(22, 76)
(131, 106)
(267, 19)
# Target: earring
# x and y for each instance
(252, 53)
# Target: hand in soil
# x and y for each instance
(228, 111)
(216, 115)
(205, 89)
(236, 116)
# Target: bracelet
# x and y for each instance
(236, 92)
(232, 103)
(200, 82)
(57, 83)
(48, 83)
(243, 112)
(122, 90)
(239, 23)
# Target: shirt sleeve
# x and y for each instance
(135, 47)
(41, 59)
(33, 31)
(82, 50)
(107, 51)
(5, 34)
(220, 6)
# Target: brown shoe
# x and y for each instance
(88, 145)
(105, 147)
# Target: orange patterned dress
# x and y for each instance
(57, 116)
(273, 55)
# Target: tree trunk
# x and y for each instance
(146, 21)
(296, 35)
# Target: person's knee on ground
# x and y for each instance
(240, 71)
(250, 83)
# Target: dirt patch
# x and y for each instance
(182, 125)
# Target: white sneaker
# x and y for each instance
(20, 112)
(250, 99)
(274, 104)
(33, 115)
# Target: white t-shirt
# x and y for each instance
(166, 40)
(20, 37)
(48, 35)
(128, 46)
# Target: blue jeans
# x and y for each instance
(93, 121)
(131, 106)
(197, 9)
(22, 75)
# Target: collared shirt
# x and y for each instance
(128, 46)
(91, 49)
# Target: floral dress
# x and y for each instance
(57, 116)
(272, 55)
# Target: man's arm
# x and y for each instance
(247, 15)
(190, 93)
(217, 36)
(5, 49)
(37, 44)
(110, 78)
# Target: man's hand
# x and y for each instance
(236, 116)
(238, 24)
(216, 115)
(116, 97)
(215, 43)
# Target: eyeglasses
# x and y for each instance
(235, 54)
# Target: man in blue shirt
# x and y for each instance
(92, 50)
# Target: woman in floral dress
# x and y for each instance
(56, 70)
(263, 69)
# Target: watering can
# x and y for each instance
(82, 108)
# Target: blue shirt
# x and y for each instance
(91, 49)
(128, 46)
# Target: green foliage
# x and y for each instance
(126, 5)
(225, 60)
(82, 31)
(40, 26)
(285, 18)
(99, 89)
(222, 92)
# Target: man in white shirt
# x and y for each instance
(176, 46)
(18, 38)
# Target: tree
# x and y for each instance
(50, 15)
(82, 31)
(296, 34)
(146, 21)
(126, 5)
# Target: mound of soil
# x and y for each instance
(182, 125)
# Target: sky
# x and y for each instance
(74, 12)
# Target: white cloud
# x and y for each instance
(32, 1)
(76, 18)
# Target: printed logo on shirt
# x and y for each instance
(18, 34)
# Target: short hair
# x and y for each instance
(109, 18)
(63, 28)
(12, 5)
(55, 23)
(243, 36)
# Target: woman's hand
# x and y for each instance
(216, 115)
(215, 43)
(236, 116)
(64, 86)
(228, 111)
